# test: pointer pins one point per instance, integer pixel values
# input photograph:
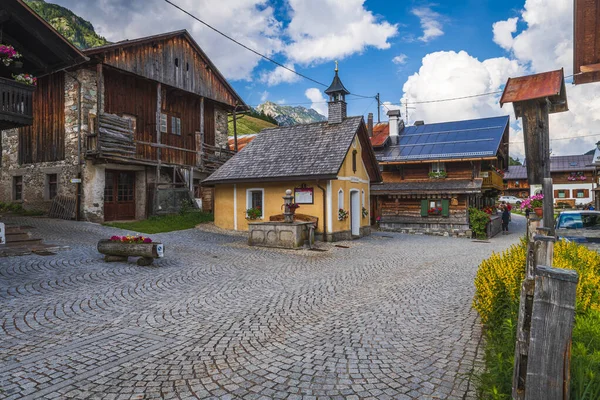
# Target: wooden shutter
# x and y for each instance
(424, 207)
(556, 194)
(445, 208)
(586, 193)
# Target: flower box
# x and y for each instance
(120, 251)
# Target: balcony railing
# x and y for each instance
(492, 180)
(16, 106)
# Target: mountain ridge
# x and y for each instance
(290, 115)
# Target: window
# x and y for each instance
(163, 123)
(176, 62)
(363, 199)
(354, 152)
(17, 188)
(255, 199)
(561, 194)
(51, 185)
(133, 120)
(438, 167)
(581, 193)
(435, 208)
(340, 199)
(176, 126)
(516, 184)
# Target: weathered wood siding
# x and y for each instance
(412, 172)
(127, 94)
(408, 210)
(186, 107)
(174, 62)
(45, 139)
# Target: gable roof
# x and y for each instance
(298, 152)
(557, 164)
(381, 132)
(165, 36)
(474, 138)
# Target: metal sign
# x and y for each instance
(160, 250)
(75, 180)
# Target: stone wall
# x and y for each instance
(221, 127)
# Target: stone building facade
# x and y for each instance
(38, 182)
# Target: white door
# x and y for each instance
(355, 212)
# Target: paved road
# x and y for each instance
(387, 318)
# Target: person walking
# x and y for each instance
(505, 219)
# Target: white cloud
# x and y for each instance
(545, 44)
(319, 102)
(118, 20)
(264, 96)
(280, 101)
(387, 106)
(400, 59)
(324, 30)
(279, 75)
(503, 31)
(431, 23)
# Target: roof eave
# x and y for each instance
(210, 182)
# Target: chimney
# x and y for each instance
(419, 123)
(394, 116)
(370, 124)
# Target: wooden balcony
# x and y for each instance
(492, 180)
(16, 107)
(115, 140)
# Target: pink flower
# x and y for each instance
(147, 240)
(115, 238)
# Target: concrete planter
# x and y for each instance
(279, 234)
(119, 251)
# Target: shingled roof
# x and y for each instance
(298, 152)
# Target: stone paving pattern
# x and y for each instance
(389, 317)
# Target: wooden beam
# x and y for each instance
(590, 68)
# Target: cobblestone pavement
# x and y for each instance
(389, 317)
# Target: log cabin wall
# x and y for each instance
(186, 108)
(45, 139)
(174, 62)
(408, 172)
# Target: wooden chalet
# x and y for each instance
(433, 173)
(573, 180)
(139, 124)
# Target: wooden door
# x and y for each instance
(119, 195)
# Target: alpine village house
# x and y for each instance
(433, 173)
(127, 133)
(328, 165)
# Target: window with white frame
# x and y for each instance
(176, 126)
(438, 167)
(255, 199)
(340, 199)
(364, 204)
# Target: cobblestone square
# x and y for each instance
(388, 317)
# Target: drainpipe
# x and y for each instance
(324, 211)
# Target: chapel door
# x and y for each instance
(119, 195)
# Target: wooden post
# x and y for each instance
(552, 321)
(99, 108)
(235, 143)
(540, 250)
(202, 134)
(158, 141)
(548, 204)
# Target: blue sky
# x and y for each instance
(409, 51)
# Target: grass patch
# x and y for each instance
(165, 223)
(17, 208)
(249, 125)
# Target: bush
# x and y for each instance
(478, 221)
(17, 208)
(497, 292)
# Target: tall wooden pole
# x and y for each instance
(235, 142)
(158, 141)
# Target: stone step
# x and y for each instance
(23, 242)
(15, 236)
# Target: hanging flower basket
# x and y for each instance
(8, 54)
(365, 212)
(342, 214)
(26, 79)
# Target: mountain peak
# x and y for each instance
(289, 115)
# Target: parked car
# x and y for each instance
(510, 200)
(579, 226)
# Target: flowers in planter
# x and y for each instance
(254, 213)
(438, 174)
(26, 79)
(8, 54)
(576, 176)
(532, 202)
(130, 239)
(434, 211)
(378, 220)
(342, 214)
(365, 212)
(489, 210)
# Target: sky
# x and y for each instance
(407, 51)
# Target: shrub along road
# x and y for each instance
(389, 317)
